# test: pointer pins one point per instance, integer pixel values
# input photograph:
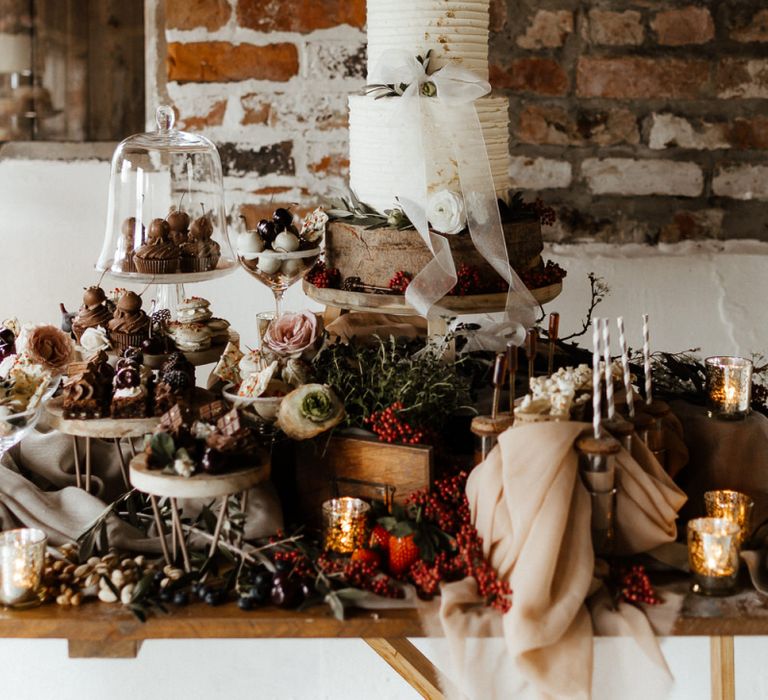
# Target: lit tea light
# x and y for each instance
(22, 554)
(345, 524)
(731, 505)
(713, 555)
(729, 386)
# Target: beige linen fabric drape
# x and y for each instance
(533, 513)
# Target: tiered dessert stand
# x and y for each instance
(158, 484)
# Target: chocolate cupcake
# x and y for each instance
(130, 326)
(128, 245)
(92, 313)
(200, 253)
(159, 256)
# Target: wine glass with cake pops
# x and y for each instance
(278, 253)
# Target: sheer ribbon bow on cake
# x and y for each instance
(454, 91)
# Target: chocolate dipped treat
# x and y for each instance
(131, 238)
(178, 223)
(130, 325)
(92, 313)
(159, 255)
(200, 253)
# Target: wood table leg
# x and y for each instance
(103, 648)
(123, 464)
(180, 534)
(219, 525)
(88, 464)
(415, 668)
(160, 529)
(722, 668)
(76, 447)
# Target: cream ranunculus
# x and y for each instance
(445, 211)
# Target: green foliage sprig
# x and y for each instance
(369, 378)
(350, 208)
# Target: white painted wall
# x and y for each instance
(51, 224)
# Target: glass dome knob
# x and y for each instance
(165, 118)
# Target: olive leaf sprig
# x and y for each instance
(349, 208)
(379, 90)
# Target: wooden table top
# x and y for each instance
(743, 614)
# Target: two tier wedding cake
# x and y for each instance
(425, 150)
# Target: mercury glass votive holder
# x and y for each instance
(345, 524)
(729, 387)
(713, 555)
(22, 555)
(731, 505)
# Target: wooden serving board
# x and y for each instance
(158, 483)
(396, 304)
(104, 428)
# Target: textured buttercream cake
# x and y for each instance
(456, 32)
(379, 129)
(384, 135)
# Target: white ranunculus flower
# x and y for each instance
(445, 211)
(94, 339)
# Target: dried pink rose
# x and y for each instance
(49, 346)
(292, 333)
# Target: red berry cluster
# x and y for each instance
(468, 281)
(636, 587)
(543, 276)
(445, 504)
(301, 565)
(496, 592)
(390, 426)
(546, 214)
(324, 277)
(428, 577)
(364, 575)
(400, 281)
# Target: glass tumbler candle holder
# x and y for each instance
(713, 555)
(22, 555)
(345, 524)
(729, 387)
(731, 505)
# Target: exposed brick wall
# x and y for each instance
(641, 121)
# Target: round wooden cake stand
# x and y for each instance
(198, 358)
(158, 484)
(395, 303)
(114, 429)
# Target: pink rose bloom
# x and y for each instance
(292, 333)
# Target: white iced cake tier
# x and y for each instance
(382, 137)
(455, 30)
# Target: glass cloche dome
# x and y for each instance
(166, 219)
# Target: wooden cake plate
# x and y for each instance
(158, 483)
(396, 304)
(114, 429)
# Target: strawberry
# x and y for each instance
(379, 538)
(368, 556)
(403, 553)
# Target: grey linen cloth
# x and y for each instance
(37, 489)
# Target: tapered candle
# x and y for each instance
(625, 368)
(512, 368)
(554, 329)
(611, 406)
(499, 370)
(647, 361)
(597, 419)
(531, 341)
